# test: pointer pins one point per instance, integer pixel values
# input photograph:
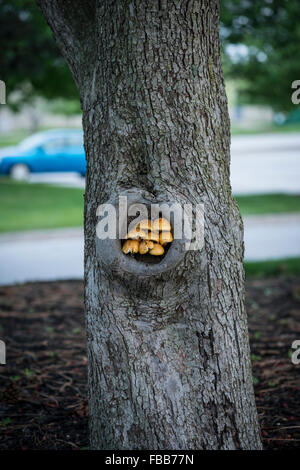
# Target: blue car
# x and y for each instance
(58, 150)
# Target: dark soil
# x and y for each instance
(43, 386)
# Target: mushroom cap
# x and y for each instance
(165, 237)
(157, 250)
(145, 224)
(152, 235)
(143, 247)
(162, 224)
(136, 233)
(149, 243)
(130, 246)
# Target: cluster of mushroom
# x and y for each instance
(149, 237)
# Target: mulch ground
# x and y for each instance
(43, 386)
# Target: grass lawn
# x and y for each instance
(283, 267)
(289, 127)
(27, 206)
(268, 204)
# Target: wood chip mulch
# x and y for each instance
(43, 386)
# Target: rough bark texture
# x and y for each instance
(169, 364)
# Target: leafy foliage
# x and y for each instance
(270, 30)
(30, 61)
(266, 35)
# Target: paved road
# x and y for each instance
(58, 254)
(267, 163)
(259, 164)
(272, 237)
(41, 255)
(72, 180)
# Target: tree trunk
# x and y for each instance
(168, 354)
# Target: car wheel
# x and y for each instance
(19, 172)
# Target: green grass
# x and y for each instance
(25, 206)
(273, 128)
(284, 267)
(13, 138)
(268, 204)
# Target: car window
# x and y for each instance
(31, 142)
(54, 145)
(74, 140)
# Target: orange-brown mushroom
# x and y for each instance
(157, 250)
(162, 224)
(136, 233)
(130, 246)
(165, 237)
(151, 235)
(145, 246)
(145, 225)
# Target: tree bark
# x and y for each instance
(169, 362)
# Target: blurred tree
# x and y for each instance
(266, 35)
(30, 62)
